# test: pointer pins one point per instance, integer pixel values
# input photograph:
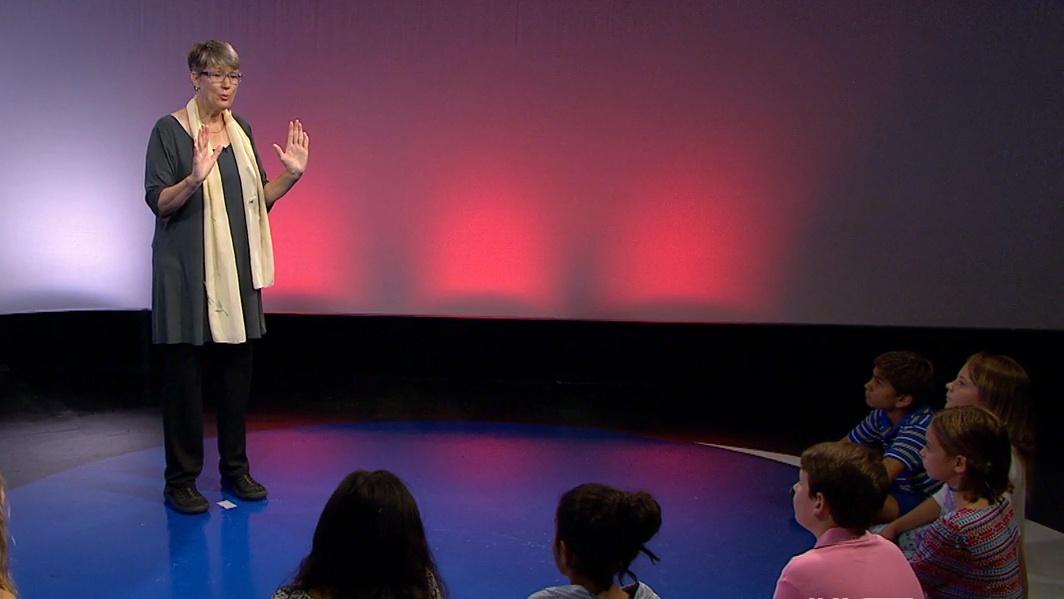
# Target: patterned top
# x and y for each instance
(1018, 496)
(296, 593)
(901, 442)
(637, 590)
(292, 593)
(970, 553)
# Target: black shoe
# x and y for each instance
(185, 499)
(244, 487)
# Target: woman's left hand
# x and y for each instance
(294, 156)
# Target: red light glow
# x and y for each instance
(487, 239)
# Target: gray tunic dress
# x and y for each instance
(179, 295)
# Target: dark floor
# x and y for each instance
(46, 434)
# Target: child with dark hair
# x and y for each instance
(840, 488)
(897, 428)
(369, 544)
(599, 530)
(973, 550)
(7, 585)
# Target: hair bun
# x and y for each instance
(642, 516)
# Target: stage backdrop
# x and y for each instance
(825, 162)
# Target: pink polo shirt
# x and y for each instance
(846, 565)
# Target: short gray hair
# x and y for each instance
(213, 52)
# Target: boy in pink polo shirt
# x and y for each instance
(840, 488)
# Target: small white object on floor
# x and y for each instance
(226, 504)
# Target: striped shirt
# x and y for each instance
(968, 554)
(902, 442)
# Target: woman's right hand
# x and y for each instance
(203, 158)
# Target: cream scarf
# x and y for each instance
(225, 312)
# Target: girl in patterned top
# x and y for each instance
(972, 550)
(369, 543)
(599, 531)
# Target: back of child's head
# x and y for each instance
(908, 372)
(977, 434)
(369, 542)
(604, 529)
(1005, 389)
(6, 582)
(851, 478)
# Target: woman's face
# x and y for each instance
(217, 87)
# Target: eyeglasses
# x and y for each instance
(218, 76)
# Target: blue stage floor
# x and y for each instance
(487, 493)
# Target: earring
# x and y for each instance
(195, 88)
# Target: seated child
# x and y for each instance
(599, 530)
(1001, 385)
(840, 487)
(897, 426)
(369, 542)
(973, 549)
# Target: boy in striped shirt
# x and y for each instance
(897, 427)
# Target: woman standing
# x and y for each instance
(211, 256)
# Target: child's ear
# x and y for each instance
(960, 464)
(820, 507)
(565, 555)
(903, 401)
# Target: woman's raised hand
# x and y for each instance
(297, 149)
(203, 158)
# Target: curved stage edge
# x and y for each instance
(487, 493)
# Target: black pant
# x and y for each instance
(222, 373)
